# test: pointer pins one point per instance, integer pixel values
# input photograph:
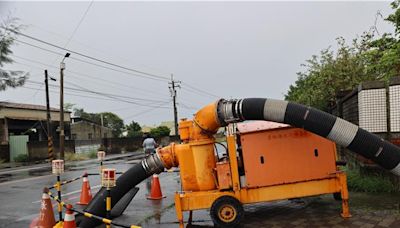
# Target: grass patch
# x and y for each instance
(69, 156)
(21, 158)
(362, 183)
(92, 154)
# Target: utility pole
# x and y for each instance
(174, 84)
(49, 131)
(62, 134)
(101, 127)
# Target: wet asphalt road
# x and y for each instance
(21, 191)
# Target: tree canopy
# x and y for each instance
(160, 131)
(134, 129)
(366, 58)
(9, 78)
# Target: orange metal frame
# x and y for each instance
(189, 201)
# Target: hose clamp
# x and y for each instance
(229, 111)
(152, 164)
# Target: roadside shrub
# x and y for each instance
(92, 154)
(21, 158)
(75, 157)
(363, 183)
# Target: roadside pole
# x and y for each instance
(49, 131)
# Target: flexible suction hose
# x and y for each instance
(321, 123)
(139, 172)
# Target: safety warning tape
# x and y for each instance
(90, 215)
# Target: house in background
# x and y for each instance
(22, 123)
(83, 129)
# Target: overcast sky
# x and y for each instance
(232, 50)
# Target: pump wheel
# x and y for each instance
(226, 211)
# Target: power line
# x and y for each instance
(148, 110)
(79, 24)
(115, 96)
(80, 95)
(85, 75)
(82, 89)
(89, 47)
(199, 90)
(87, 62)
(189, 88)
(152, 76)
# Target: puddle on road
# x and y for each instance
(5, 177)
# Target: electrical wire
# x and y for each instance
(85, 76)
(84, 61)
(107, 95)
(152, 76)
(79, 23)
(78, 95)
(189, 88)
(200, 91)
(148, 110)
(113, 96)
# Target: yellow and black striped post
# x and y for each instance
(58, 184)
(50, 147)
(108, 206)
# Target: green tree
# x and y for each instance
(366, 58)
(134, 129)
(9, 78)
(330, 72)
(160, 131)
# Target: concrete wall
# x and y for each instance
(38, 150)
(117, 145)
(84, 146)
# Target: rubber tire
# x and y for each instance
(337, 196)
(220, 202)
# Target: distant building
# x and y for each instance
(83, 129)
(29, 119)
(23, 124)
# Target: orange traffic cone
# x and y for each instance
(155, 193)
(46, 215)
(34, 223)
(69, 219)
(86, 194)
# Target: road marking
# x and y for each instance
(26, 179)
(24, 169)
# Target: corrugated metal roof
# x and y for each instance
(253, 126)
(26, 106)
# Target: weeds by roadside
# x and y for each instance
(81, 156)
(21, 158)
(362, 183)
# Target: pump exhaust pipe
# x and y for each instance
(223, 112)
